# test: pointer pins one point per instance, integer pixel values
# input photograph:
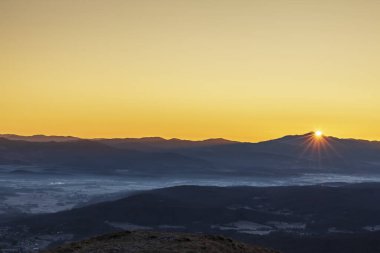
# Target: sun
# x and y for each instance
(318, 133)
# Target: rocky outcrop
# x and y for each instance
(158, 242)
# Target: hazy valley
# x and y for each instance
(296, 189)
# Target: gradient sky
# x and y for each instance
(239, 69)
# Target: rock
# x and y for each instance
(158, 242)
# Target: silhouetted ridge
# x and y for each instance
(39, 138)
(289, 155)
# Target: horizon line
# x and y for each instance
(176, 138)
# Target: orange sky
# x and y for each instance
(244, 69)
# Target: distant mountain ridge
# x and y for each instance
(158, 143)
(156, 139)
(39, 138)
(146, 142)
(289, 155)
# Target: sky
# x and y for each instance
(245, 70)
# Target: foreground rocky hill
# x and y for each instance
(163, 242)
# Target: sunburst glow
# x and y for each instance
(318, 133)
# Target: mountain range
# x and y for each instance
(289, 155)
